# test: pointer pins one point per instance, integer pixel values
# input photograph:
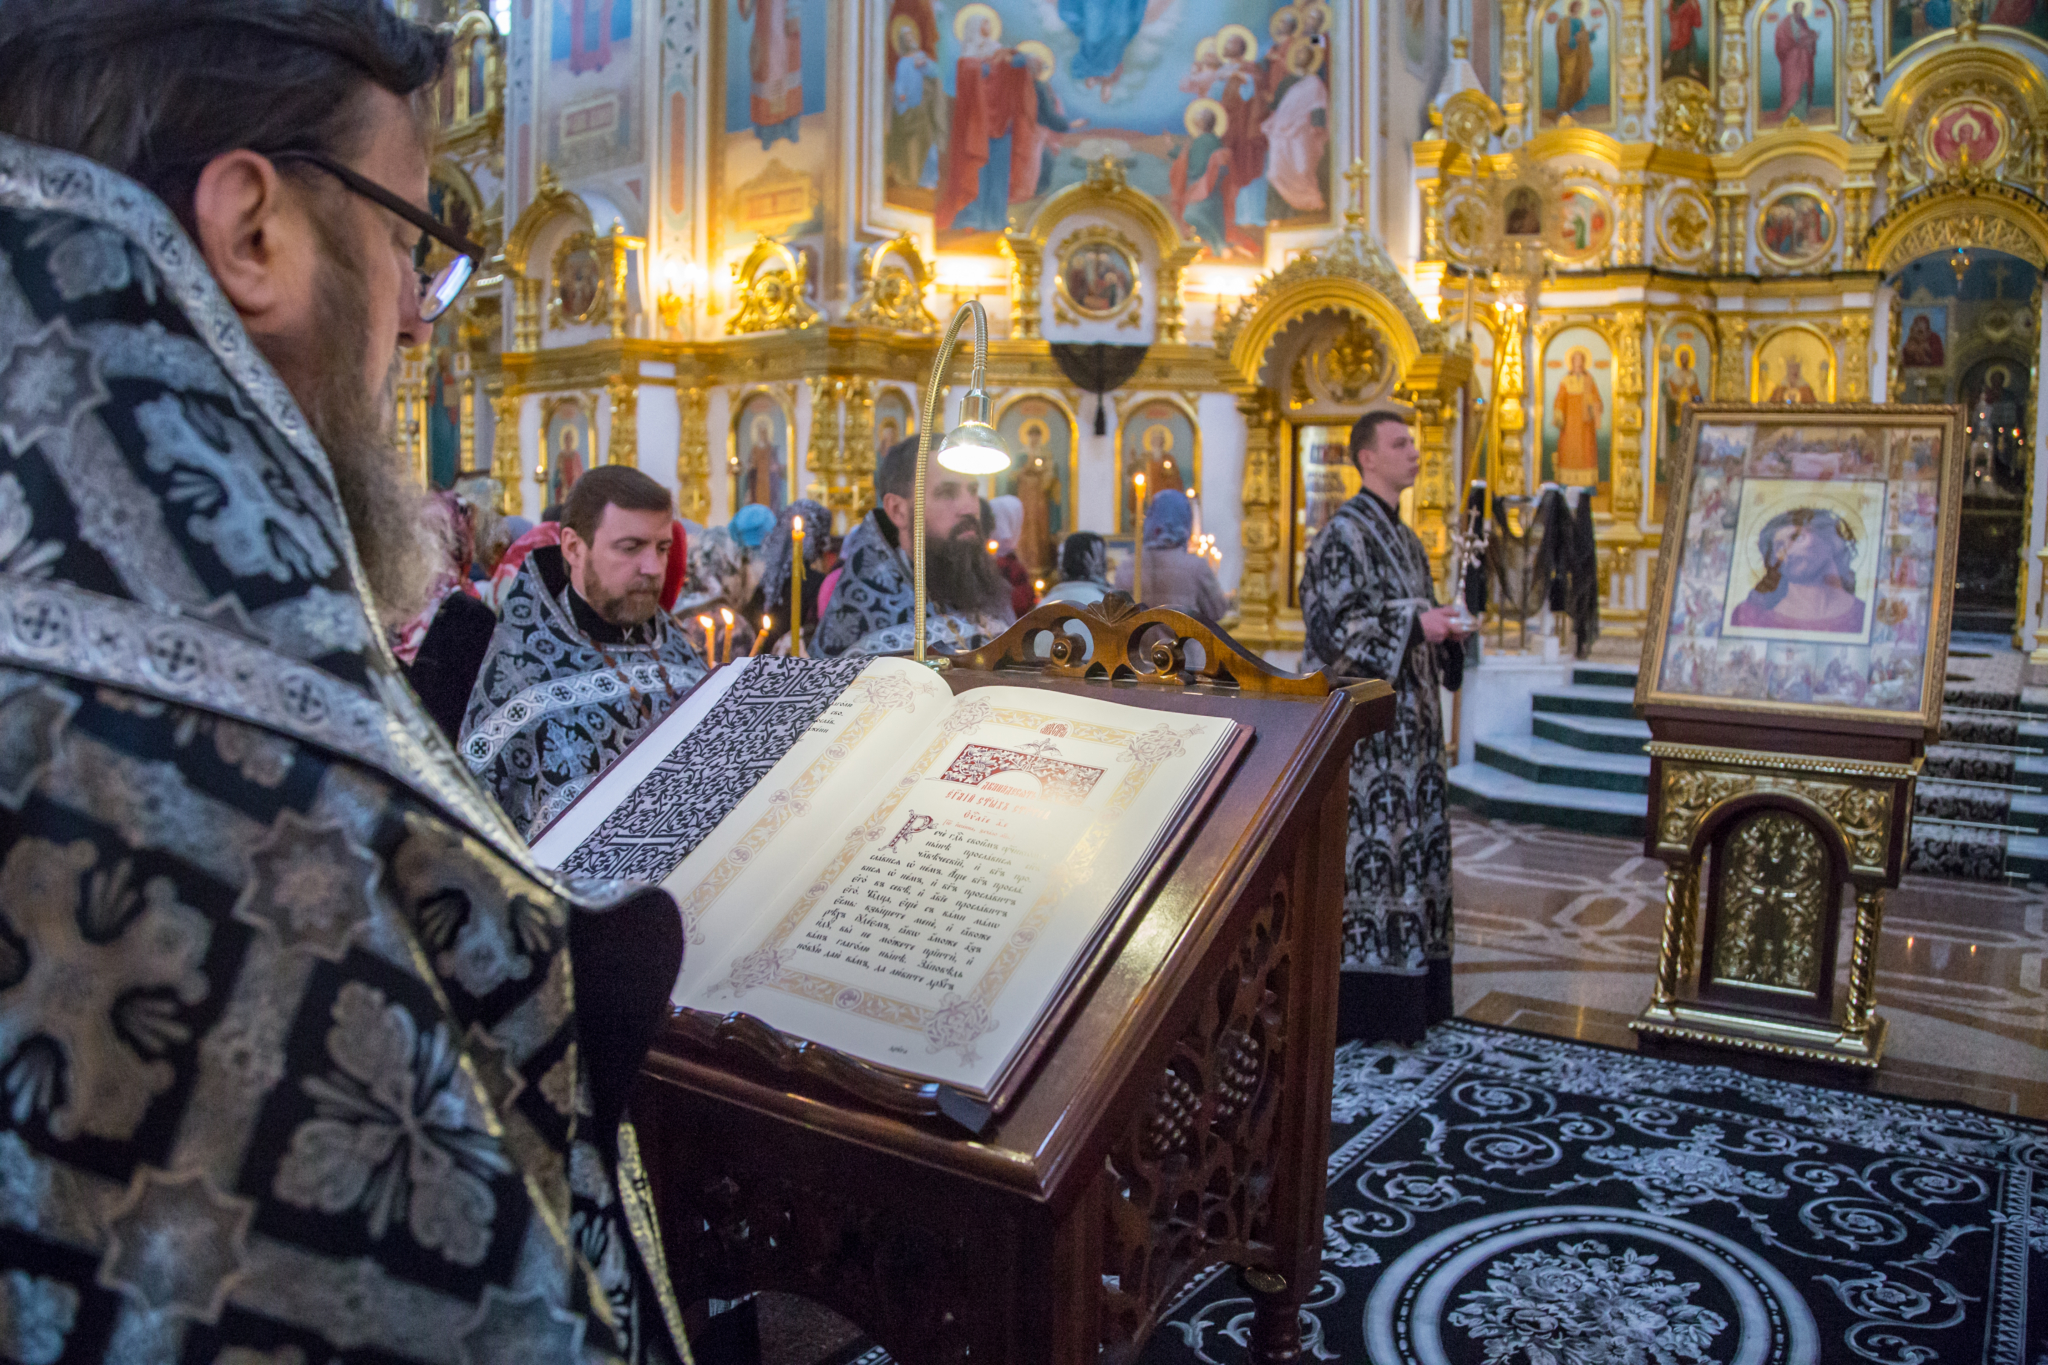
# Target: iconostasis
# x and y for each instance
(726, 233)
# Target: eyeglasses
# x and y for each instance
(437, 291)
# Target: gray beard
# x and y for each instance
(401, 549)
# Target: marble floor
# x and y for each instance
(1557, 933)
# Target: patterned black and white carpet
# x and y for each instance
(1503, 1198)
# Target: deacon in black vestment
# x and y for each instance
(304, 1058)
(584, 660)
(1368, 610)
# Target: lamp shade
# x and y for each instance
(974, 448)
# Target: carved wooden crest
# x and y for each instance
(1115, 640)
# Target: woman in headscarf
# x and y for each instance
(1175, 576)
(1084, 570)
(442, 648)
(772, 598)
(1008, 514)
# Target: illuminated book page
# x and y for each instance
(931, 929)
(759, 856)
(764, 833)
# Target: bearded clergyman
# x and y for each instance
(303, 1057)
(584, 660)
(873, 606)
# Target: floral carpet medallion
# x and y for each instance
(1505, 1199)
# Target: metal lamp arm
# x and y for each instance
(928, 415)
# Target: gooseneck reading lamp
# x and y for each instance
(973, 447)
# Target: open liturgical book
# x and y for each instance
(868, 862)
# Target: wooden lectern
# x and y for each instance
(1179, 1119)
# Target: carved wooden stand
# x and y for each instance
(1783, 833)
(1180, 1119)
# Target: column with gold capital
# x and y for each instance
(693, 455)
(624, 445)
(1625, 468)
(505, 466)
(1258, 598)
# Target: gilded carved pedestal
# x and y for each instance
(1748, 959)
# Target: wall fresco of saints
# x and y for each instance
(1219, 109)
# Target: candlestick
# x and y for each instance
(1138, 550)
(761, 640)
(796, 588)
(710, 654)
(725, 655)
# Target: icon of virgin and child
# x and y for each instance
(1808, 581)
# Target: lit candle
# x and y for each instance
(725, 655)
(796, 588)
(1138, 551)
(710, 655)
(761, 640)
(992, 548)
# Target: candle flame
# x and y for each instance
(991, 547)
(726, 614)
(704, 621)
(767, 623)
(798, 524)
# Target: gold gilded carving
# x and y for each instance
(1729, 333)
(1514, 69)
(769, 286)
(693, 455)
(1859, 1014)
(1674, 968)
(1432, 221)
(1353, 255)
(1624, 332)
(1861, 810)
(893, 283)
(1859, 65)
(1347, 367)
(1685, 115)
(1733, 70)
(1106, 188)
(526, 313)
(1633, 53)
(1686, 229)
(1512, 296)
(1992, 217)
(1772, 905)
(624, 445)
(1257, 601)
(850, 498)
(505, 446)
(1854, 345)
(822, 457)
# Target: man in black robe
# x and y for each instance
(1368, 610)
(873, 606)
(584, 660)
(304, 1058)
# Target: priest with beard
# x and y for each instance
(584, 660)
(304, 1056)
(874, 605)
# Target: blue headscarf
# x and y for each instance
(1169, 521)
(751, 523)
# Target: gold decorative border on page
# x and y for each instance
(883, 696)
(957, 1024)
